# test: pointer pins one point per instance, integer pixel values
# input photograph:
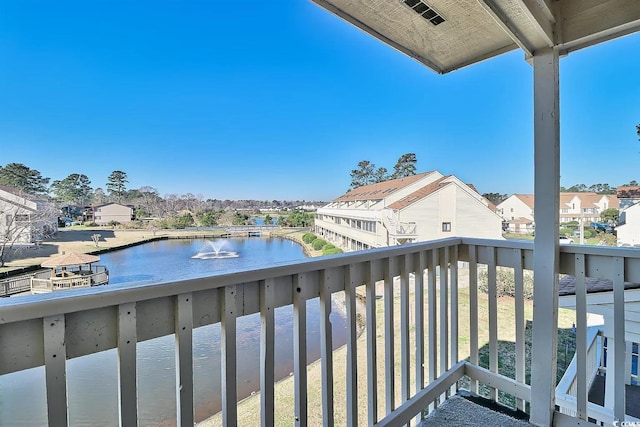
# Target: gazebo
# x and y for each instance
(71, 270)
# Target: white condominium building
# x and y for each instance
(417, 208)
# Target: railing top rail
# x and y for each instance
(18, 309)
(609, 251)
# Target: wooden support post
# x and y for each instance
(546, 252)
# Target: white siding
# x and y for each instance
(629, 233)
(468, 216)
(513, 208)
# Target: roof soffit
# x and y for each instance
(475, 30)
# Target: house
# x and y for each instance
(518, 209)
(111, 212)
(628, 228)
(416, 208)
(586, 206)
(25, 219)
(516, 206)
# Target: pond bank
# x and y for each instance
(29, 258)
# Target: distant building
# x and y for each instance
(417, 208)
(518, 209)
(110, 212)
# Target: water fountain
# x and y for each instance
(217, 252)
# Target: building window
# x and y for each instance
(446, 226)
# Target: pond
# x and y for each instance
(92, 380)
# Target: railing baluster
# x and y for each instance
(184, 359)
(581, 337)
(405, 361)
(389, 363)
(619, 339)
(473, 311)
(420, 263)
(55, 356)
(300, 351)
(444, 314)
(267, 351)
(372, 353)
(326, 350)
(352, 355)
(493, 318)
(127, 370)
(519, 319)
(229, 350)
(432, 313)
(454, 312)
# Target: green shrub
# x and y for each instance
(589, 233)
(318, 244)
(566, 231)
(308, 237)
(572, 224)
(331, 251)
(90, 224)
(505, 282)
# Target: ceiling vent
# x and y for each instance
(427, 12)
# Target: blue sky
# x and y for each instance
(280, 100)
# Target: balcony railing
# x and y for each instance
(412, 370)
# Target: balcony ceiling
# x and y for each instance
(474, 30)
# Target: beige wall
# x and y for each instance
(113, 212)
(468, 216)
(513, 208)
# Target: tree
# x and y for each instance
(405, 166)
(610, 215)
(495, 198)
(75, 188)
(268, 220)
(116, 185)
(380, 175)
(99, 197)
(26, 180)
(638, 131)
(364, 175)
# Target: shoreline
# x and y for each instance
(30, 258)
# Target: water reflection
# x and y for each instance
(92, 380)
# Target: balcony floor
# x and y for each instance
(632, 394)
(459, 411)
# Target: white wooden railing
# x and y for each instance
(423, 278)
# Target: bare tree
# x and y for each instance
(24, 221)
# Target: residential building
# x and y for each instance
(628, 229)
(25, 219)
(516, 206)
(111, 212)
(518, 209)
(417, 208)
(585, 207)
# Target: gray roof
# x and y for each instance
(568, 285)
